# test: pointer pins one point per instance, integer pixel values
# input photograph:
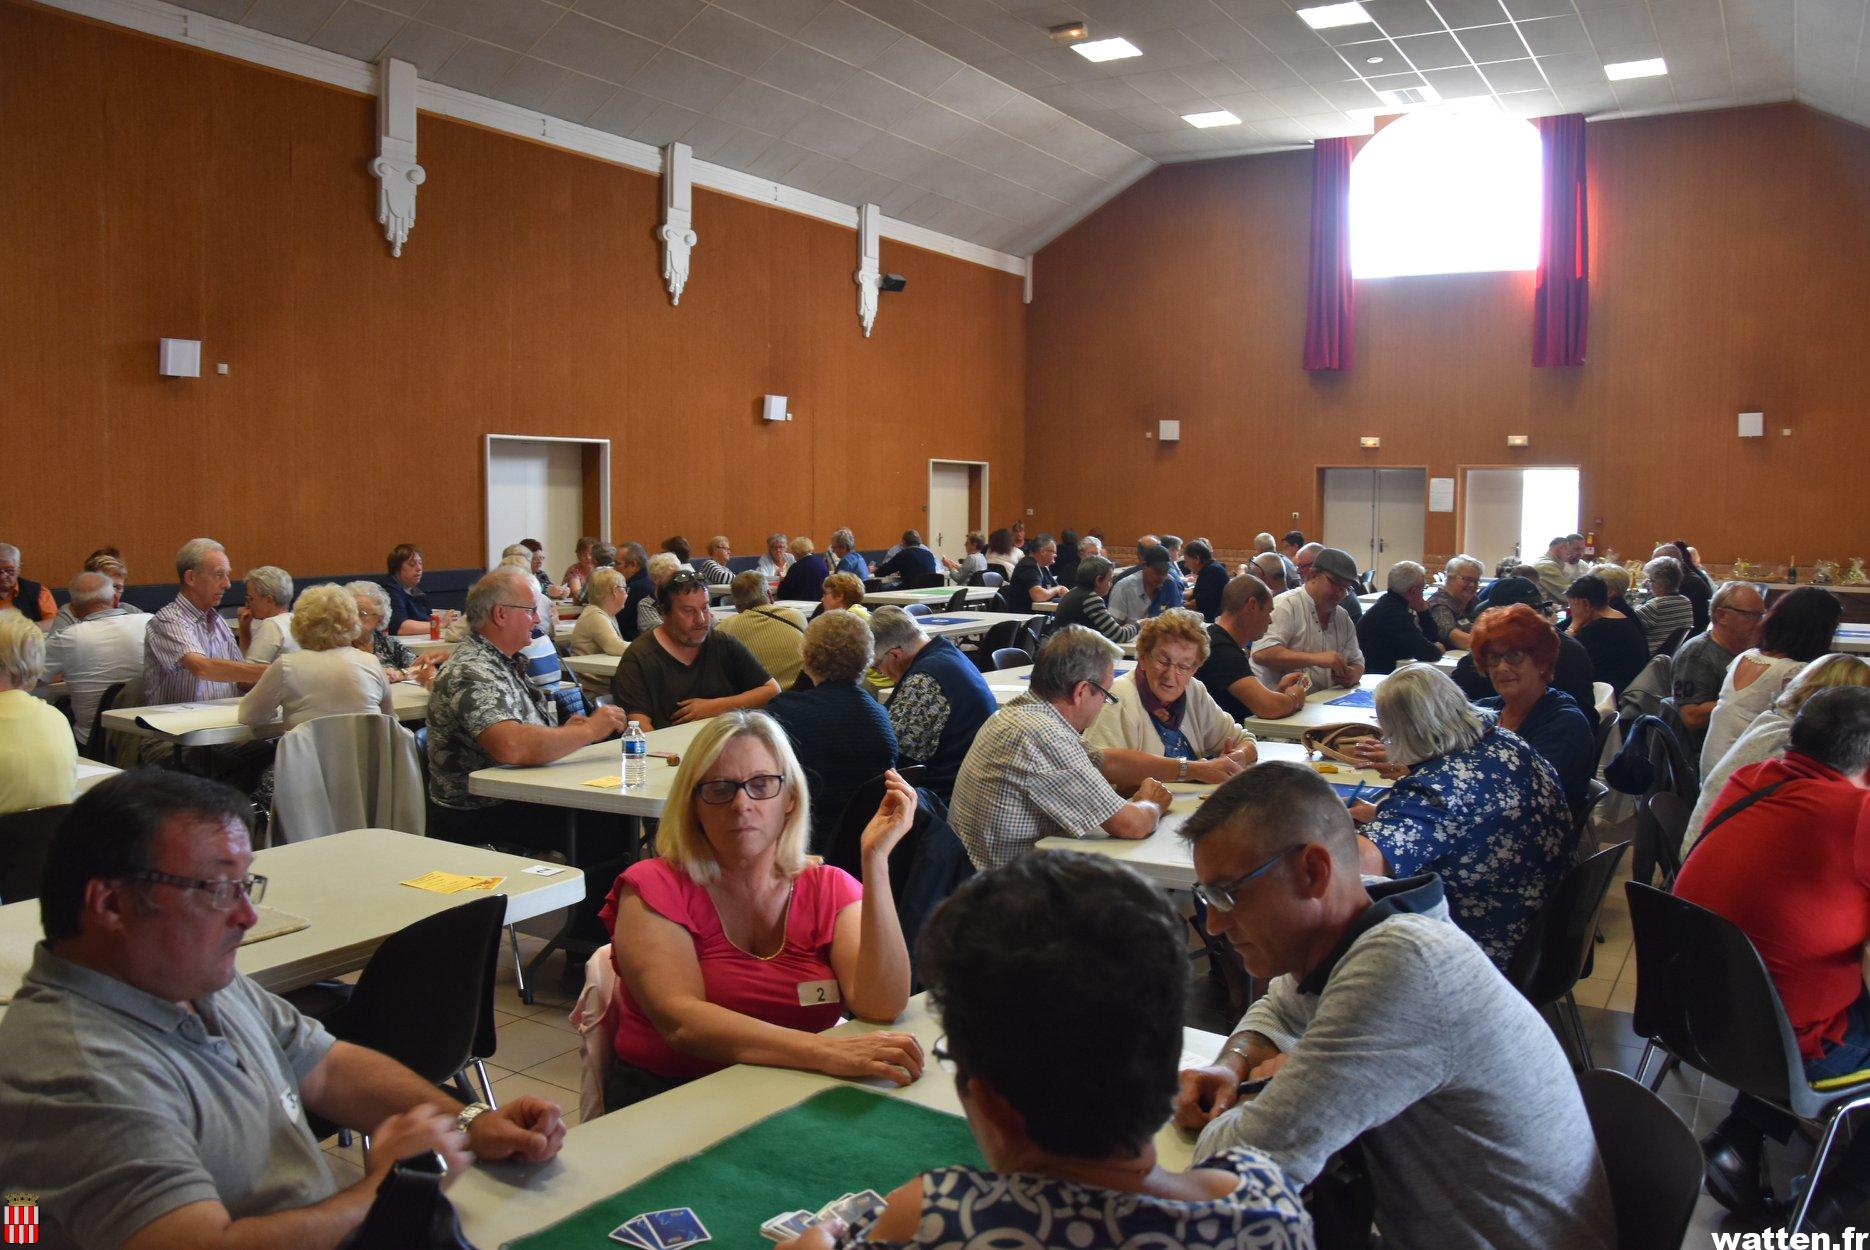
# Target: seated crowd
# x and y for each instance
(180, 1097)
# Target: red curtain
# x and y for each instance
(1330, 301)
(1561, 298)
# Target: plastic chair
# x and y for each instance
(1550, 957)
(919, 609)
(1669, 644)
(1650, 1157)
(924, 581)
(1594, 793)
(957, 601)
(1010, 657)
(1000, 634)
(993, 577)
(1703, 996)
(104, 745)
(425, 998)
(27, 839)
(1670, 816)
(1027, 638)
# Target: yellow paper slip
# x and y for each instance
(605, 783)
(453, 882)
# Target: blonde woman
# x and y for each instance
(1771, 731)
(596, 630)
(38, 757)
(843, 592)
(1164, 724)
(733, 946)
(327, 675)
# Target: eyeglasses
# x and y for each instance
(530, 609)
(221, 894)
(943, 1057)
(722, 790)
(1739, 611)
(1162, 664)
(1223, 897)
(1108, 697)
(1511, 658)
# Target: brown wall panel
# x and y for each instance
(150, 190)
(1731, 257)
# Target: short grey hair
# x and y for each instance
(22, 651)
(1424, 715)
(662, 566)
(844, 538)
(91, 590)
(1308, 551)
(748, 590)
(485, 593)
(775, 538)
(1090, 545)
(1405, 576)
(635, 553)
(1069, 656)
(837, 647)
(9, 552)
(1666, 572)
(1468, 564)
(193, 552)
(1615, 577)
(1725, 594)
(517, 549)
(891, 627)
(379, 599)
(1271, 566)
(603, 584)
(273, 582)
(1091, 571)
(1265, 542)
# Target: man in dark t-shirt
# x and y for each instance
(682, 670)
(1246, 609)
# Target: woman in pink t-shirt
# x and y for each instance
(735, 946)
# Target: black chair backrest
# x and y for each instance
(1594, 793)
(933, 864)
(1550, 957)
(1027, 639)
(999, 634)
(845, 847)
(919, 609)
(426, 997)
(94, 746)
(1670, 816)
(1703, 994)
(25, 840)
(957, 600)
(923, 581)
(979, 578)
(1650, 1158)
(1010, 657)
(1674, 640)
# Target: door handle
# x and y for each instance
(1382, 546)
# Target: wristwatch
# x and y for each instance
(1181, 770)
(470, 1113)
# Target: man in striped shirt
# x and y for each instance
(190, 656)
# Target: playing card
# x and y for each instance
(787, 1225)
(671, 1229)
(854, 1209)
(623, 1234)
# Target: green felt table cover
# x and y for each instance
(837, 1141)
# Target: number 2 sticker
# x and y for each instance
(812, 993)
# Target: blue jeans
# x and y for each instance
(1852, 1053)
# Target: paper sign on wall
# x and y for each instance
(1441, 494)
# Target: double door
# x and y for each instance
(1377, 515)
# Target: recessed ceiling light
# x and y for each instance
(1373, 60)
(1201, 121)
(1106, 49)
(1403, 97)
(1635, 69)
(1325, 16)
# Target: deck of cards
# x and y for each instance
(661, 1230)
(852, 1209)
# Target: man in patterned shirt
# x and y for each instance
(1030, 776)
(940, 701)
(483, 711)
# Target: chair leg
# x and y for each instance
(1817, 1172)
(1570, 1006)
(1642, 1065)
(486, 1086)
(519, 966)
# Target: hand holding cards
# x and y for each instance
(661, 1230)
(851, 1210)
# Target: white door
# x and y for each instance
(1350, 513)
(948, 522)
(1402, 511)
(1377, 515)
(534, 490)
(1490, 515)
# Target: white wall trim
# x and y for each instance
(212, 34)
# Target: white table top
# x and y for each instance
(347, 885)
(561, 784)
(419, 643)
(601, 1157)
(216, 722)
(90, 772)
(1164, 857)
(934, 596)
(1852, 638)
(1317, 711)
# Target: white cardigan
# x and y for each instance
(1127, 724)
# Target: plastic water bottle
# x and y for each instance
(635, 757)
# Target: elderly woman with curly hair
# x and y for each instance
(842, 735)
(398, 661)
(1477, 805)
(732, 945)
(327, 675)
(1162, 723)
(843, 592)
(1518, 649)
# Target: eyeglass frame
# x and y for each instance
(1108, 697)
(252, 887)
(745, 783)
(1212, 895)
(943, 1057)
(530, 609)
(1160, 660)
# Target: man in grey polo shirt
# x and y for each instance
(1385, 1025)
(150, 1096)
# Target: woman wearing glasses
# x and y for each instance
(733, 946)
(1161, 722)
(1518, 649)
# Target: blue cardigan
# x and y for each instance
(1558, 729)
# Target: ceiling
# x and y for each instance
(964, 117)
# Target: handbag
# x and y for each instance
(410, 1211)
(1334, 742)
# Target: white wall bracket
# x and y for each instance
(677, 230)
(869, 275)
(395, 167)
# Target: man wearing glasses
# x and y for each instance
(684, 670)
(1029, 774)
(1386, 1025)
(484, 711)
(1311, 632)
(1701, 663)
(150, 1096)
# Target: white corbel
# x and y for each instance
(395, 166)
(869, 275)
(677, 231)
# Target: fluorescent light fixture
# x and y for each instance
(1106, 49)
(1201, 121)
(1325, 16)
(1619, 70)
(1410, 97)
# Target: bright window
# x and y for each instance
(1447, 190)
